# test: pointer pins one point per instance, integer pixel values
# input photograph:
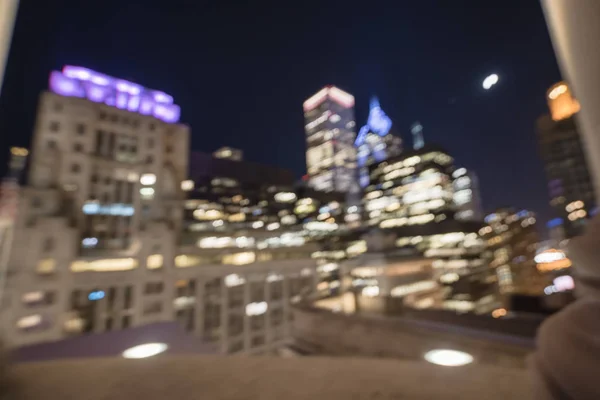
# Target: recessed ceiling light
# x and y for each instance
(448, 358)
(145, 350)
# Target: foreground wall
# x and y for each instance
(350, 335)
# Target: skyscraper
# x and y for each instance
(412, 200)
(467, 198)
(375, 142)
(564, 160)
(330, 135)
(8, 14)
(417, 133)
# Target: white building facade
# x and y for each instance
(97, 236)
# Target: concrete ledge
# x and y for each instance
(336, 334)
(265, 378)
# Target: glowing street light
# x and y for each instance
(490, 81)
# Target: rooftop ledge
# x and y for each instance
(238, 377)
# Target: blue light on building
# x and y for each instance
(374, 142)
(377, 122)
(553, 223)
(96, 295)
(93, 208)
(523, 214)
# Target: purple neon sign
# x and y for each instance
(99, 88)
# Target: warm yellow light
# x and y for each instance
(555, 265)
(244, 258)
(499, 312)
(187, 185)
(154, 261)
(19, 151)
(46, 266)
(561, 102)
(185, 261)
(239, 217)
(106, 265)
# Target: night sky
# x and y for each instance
(241, 72)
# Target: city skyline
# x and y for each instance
(448, 101)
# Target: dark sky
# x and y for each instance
(241, 72)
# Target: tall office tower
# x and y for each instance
(101, 213)
(375, 142)
(8, 14)
(417, 133)
(411, 200)
(564, 159)
(330, 135)
(467, 198)
(512, 238)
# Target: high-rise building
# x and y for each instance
(375, 142)
(330, 135)
(100, 215)
(511, 236)
(467, 198)
(411, 202)
(8, 14)
(564, 159)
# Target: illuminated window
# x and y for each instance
(213, 242)
(329, 267)
(33, 297)
(285, 197)
(29, 322)
(273, 226)
(148, 179)
(321, 226)
(459, 172)
(154, 261)
(147, 193)
(257, 224)
(185, 261)
(412, 161)
(288, 220)
(370, 291)
(258, 308)
(205, 215)
(462, 182)
(463, 197)
(239, 217)
(357, 248)
(234, 280)
(89, 242)
(74, 325)
(46, 266)
(105, 265)
(239, 258)
(401, 291)
(187, 185)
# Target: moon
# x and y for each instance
(490, 81)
